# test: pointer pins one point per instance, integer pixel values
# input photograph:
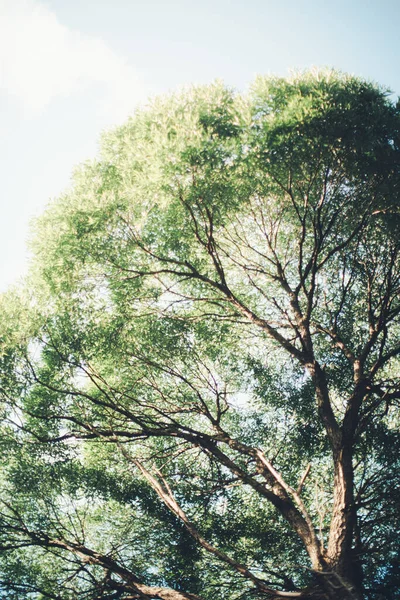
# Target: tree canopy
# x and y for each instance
(200, 378)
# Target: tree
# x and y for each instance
(200, 380)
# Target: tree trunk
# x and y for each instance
(340, 577)
(330, 586)
(343, 518)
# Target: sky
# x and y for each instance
(70, 69)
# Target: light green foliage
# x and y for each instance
(220, 288)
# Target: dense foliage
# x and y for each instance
(200, 380)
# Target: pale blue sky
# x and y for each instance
(70, 68)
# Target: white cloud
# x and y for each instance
(41, 59)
